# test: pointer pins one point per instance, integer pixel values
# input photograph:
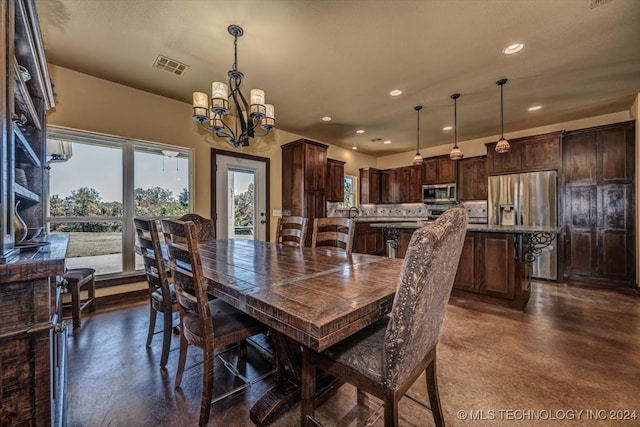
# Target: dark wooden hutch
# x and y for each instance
(32, 335)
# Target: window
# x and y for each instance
(350, 192)
(98, 184)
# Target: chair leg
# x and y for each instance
(152, 323)
(182, 358)
(166, 339)
(432, 390)
(92, 294)
(75, 303)
(207, 385)
(390, 410)
(308, 388)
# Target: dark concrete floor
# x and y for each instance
(574, 349)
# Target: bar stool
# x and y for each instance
(77, 279)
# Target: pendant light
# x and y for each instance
(503, 145)
(456, 154)
(417, 159)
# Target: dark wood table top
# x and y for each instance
(315, 296)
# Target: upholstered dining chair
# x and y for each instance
(204, 226)
(292, 230)
(387, 357)
(207, 324)
(333, 232)
(161, 294)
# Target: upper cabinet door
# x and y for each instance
(615, 154)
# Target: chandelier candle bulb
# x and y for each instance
(257, 103)
(269, 121)
(216, 124)
(219, 98)
(200, 105)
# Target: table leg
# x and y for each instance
(286, 393)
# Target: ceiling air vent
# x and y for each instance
(596, 3)
(170, 65)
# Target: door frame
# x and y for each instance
(214, 168)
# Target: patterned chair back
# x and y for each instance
(424, 288)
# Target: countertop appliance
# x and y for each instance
(527, 199)
(439, 193)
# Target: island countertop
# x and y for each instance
(41, 261)
(482, 228)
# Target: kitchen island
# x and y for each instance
(495, 264)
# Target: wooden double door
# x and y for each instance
(599, 205)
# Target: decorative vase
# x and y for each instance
(20, 227)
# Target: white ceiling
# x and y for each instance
(340, 58)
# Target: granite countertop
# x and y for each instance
(45, 258)
(484, 228)
(393, 219)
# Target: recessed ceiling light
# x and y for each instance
(514, 48)
(447, 128)
(326, 119)
(387, 142)
(535, 108)
(354, 148)
(395, 92)
(360, 131)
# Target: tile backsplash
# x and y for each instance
(476, 208)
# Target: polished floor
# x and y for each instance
(571, 359)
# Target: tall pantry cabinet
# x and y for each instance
(304, 168)
(599, 204)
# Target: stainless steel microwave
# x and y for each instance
(439, 193)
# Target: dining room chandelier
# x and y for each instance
(503, 145)
(237, 122)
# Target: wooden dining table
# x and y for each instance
(313, 297)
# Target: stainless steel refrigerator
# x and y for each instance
(527, 199)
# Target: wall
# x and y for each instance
(88, 103)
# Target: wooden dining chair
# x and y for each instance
(387, 357)
(206, 324)
(161, 294)
(292, 230)
(204, 226)
(333, 232)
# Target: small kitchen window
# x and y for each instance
(350, 192)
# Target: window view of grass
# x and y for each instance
(93, 243)
(105, 237)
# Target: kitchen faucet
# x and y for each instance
(351, 209)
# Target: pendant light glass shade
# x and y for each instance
(417, 159)
(455, 154)
(503, 145)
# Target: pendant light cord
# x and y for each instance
(501, 113)
(455, 122)
(418, 134)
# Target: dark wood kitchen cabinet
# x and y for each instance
(527, 154)
(472, 178)
(335, 180)
(402, 185)
(370, 185)
(599, 204)
(488, 270)
(439, 170)
(304, 166)
(368, 240)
